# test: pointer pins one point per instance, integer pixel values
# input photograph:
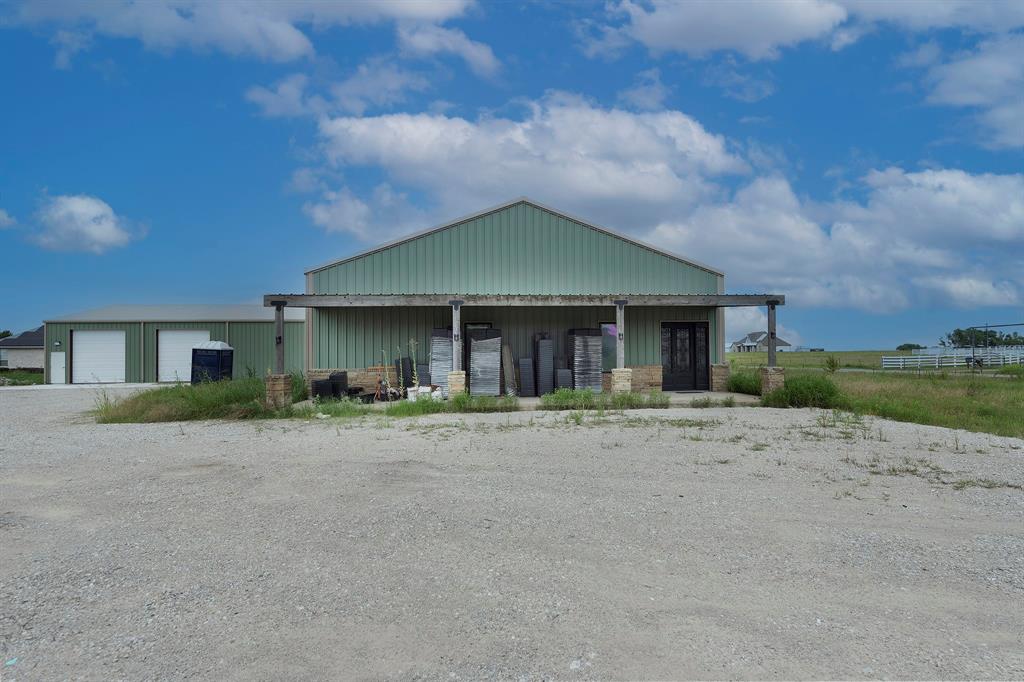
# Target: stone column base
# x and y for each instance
(456, 383)
(720, 377)
(771, 379)
(622, 380)
(279, 390)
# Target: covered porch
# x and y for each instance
(347, 331)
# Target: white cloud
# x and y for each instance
(69, 43)
(759, 30)
(912, 231)
(387, 213)
(750, 27)
(735, 84)
(429, 39)
(378, 83)
(620, 165)
(287, 98)
(990, 79)
(968, 291)
(6, 220)
(647, 93)
(80, 223)
(265, 30)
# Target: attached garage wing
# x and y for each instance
(97, 357)
(174, 352)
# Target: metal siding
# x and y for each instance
(253, 343)
(354, 337)
(58, 331)
(521, 249)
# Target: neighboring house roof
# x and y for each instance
(30, 339)
(755, 338)
(181, 313)
(513, 202)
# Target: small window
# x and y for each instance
(609, 338)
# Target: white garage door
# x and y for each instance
(174, 352)
(97, 357)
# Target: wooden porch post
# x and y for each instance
(456, 335)
(771, 334)
(279, 338)
(620, 334)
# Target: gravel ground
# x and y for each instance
(752, 543)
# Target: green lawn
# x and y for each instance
(981, 403)
(860, 359)
(19, 377)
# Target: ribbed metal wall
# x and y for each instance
(354, 337)
(518, 250)
(253, 343)
(254, 347)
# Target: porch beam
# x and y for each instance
(397, 300)
(771, 334)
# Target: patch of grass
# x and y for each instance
(744, 381)
(464, 402)
(1014, 371)
(300, 390)
(19, 377)
(585, 399)
(963, 483)
(862, 359)
(418, 408)
(237, 399)
(806, 390)
(980, 404)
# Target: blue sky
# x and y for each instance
(866, 159)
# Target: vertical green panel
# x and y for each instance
(253, 344)
(521, 249)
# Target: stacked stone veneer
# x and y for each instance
(622, 380)
(365, 379)
(279, 390)
(771, 379)
(720, 377)
(456, 383)
(646, 378)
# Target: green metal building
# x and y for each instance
(149, 343)
(523, 268)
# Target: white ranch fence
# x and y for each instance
(981, 357)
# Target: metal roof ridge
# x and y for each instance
(493, 209)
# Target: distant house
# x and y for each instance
(24, 351)
(756, 341)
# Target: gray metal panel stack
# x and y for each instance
(563, 378)
(440, 358)
(485, 362)
(526, 388)
(585, 358)
(544, 362)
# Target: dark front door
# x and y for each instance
(684, 356)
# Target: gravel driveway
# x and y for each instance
(722, 543)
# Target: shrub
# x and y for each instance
(806, 391)
(832, 364)
(744, 382)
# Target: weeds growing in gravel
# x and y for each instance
(585, 399)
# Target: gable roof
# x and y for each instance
(507, 204)
(180, 313)
(33, 338)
